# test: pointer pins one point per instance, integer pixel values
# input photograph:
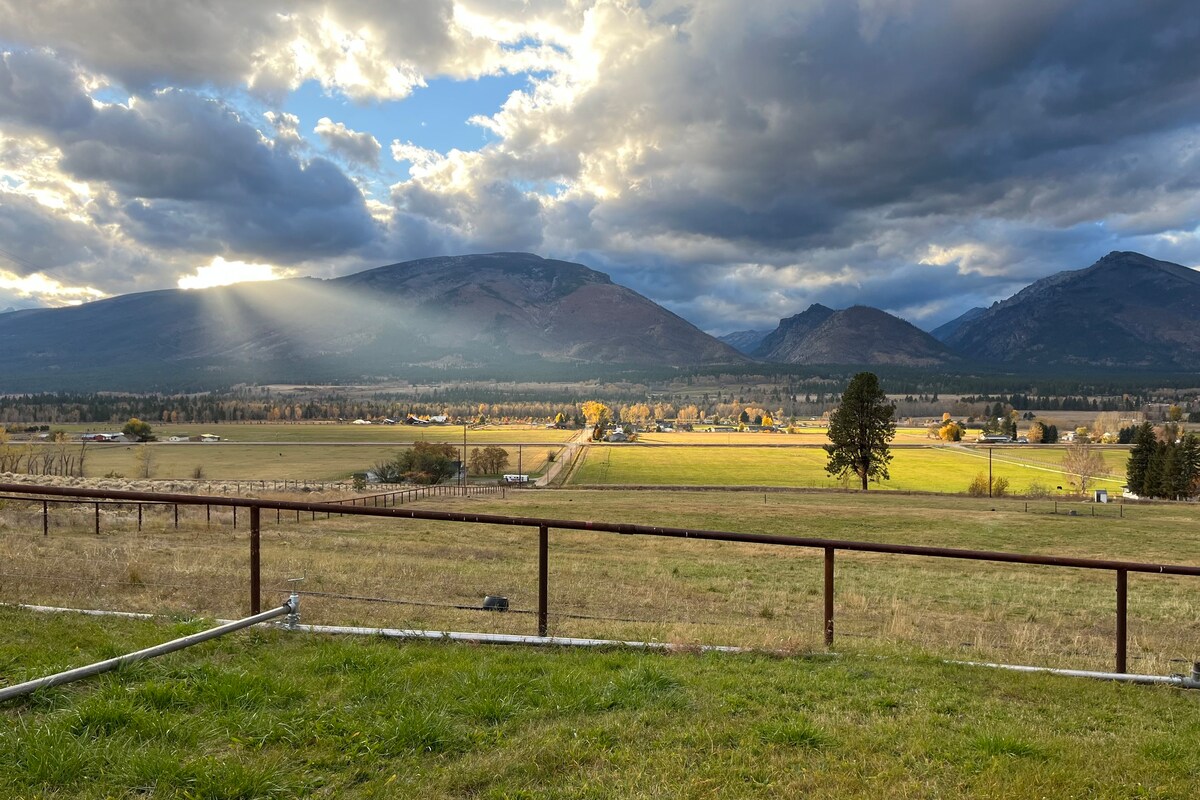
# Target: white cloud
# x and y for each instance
(45, 290)
(220, 272)
(354, 146)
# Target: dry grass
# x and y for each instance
(610, 586)
(287, 461)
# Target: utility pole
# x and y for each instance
(990, 471)
(462, 474)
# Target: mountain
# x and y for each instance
(494, 311)
(787, 341)
(857, 335)
(744, 341)
(946, 329)
(1125, 311)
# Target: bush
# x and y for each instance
(1037, 490)
(423, 463)
(999, 487)
(979, 486)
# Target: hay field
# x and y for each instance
(927, 469)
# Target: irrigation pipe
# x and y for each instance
(1181, 681)
(71, 675)
(505, 638)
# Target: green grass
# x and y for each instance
(929, 469)
(267, 714)
(280, 461)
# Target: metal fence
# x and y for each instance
(376, 506)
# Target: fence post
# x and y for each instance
(235, 518)
(139, 517)
(829, 596)
(1122, 611)
(207, 515)
(97, 519)
(254, 561)
(543, 593)
(176, 516)
(45, 518)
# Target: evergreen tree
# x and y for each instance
(1144, 449)
(859, 431)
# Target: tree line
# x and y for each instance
(1163, 463)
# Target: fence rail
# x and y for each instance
(829, 547)
(383, 499)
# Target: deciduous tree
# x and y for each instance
(138, 431)
(1084, 462)
(424, 463)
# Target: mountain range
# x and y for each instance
(518, 313)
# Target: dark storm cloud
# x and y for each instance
(822, 138)
(807, 121)
(194, 173)
(45, 243)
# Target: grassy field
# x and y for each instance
(931, 469)
(408, 573)
(279, 461)
(811, 434)
(268, 714)
(348, 433)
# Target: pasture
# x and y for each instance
(275, 461)
(344, 433)
(942, 469)
(270, 714)
(804, 434)
(422, 574)
(273, 714)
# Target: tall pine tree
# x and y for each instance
(859, 431)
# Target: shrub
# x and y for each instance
(999, 487)
(979, 486)
(1037, 490)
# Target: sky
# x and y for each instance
(732, 161)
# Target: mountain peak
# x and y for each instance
(1126, 310)
(856, 335)
(494, 310)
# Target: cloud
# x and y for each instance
(374, 49)
(832, 139)
(354, 146)
(188, 169)
(734, 161)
